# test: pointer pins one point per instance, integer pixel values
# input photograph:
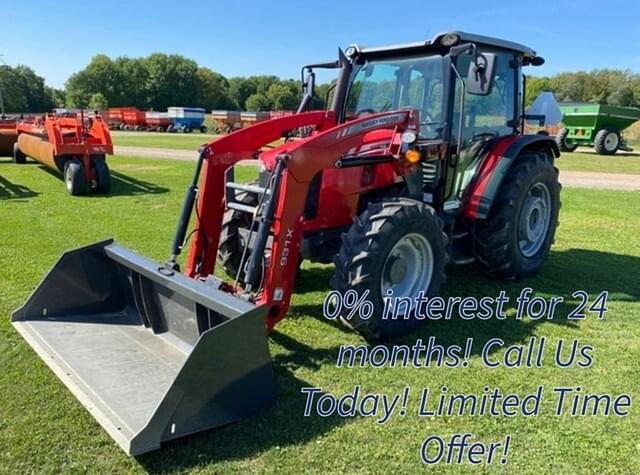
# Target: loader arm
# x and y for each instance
(243, 144)
(303, 160)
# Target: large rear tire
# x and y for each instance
(563, 144)
(397, 244)
(607, 142)
(74, 180)
(232, 242)
(513, 242)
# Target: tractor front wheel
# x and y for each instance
(561, 140)
(395, 248)
(235, 226)
(607, 142)
(74, 180)
(513, 242)
(18, 156)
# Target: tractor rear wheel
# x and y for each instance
(561, 140)
(103, 175)
(395, 248)
(18, 156)
(74, 180)
(232, 241)
(607, 142)
(513, 242)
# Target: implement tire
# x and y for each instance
(561, 141)
(514, 240)
(103, 175)
(18, 156)
(74, 180)
(396, 244)
(607, 142)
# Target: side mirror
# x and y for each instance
(480, 76)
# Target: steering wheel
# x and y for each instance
(483, 135)
(367, 110)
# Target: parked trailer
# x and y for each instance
(157, 121)
(115, 118)
(229, 120)
(72, 145)
(133, 119)
(234, 120)
(185, 119)
(595, 125)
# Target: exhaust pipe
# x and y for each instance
(151, 353)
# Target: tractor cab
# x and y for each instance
(467, 90)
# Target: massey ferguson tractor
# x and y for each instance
(419, 163)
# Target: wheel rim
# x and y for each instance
(611, 141)
(534, 221)
(408, 268)
(68, 179)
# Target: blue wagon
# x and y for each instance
(185, 119)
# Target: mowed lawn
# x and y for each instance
(177, 141)
(584, 159)
(44, 429)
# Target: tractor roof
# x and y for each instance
(464, 37)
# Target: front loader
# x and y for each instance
(418, 163)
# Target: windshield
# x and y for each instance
(412, 83)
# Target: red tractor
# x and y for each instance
(419, 163)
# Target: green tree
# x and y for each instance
(98, 102)
(213, 91)
(535, 85)
(281, 97)
(257, 103)
(172, 81)
(240, 89)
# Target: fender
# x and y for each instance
(501, 156)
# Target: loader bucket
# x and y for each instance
(152, 354)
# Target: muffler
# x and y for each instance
(151, 353)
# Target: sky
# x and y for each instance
(242, 38)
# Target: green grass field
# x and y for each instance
(586, 160)
(44, 429)
(162, 140)
(581, 160)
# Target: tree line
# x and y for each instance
(161, 80)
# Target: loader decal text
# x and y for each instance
(286, 249)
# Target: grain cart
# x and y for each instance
(114, 116)
(70, 144)
(418, 163)
(157, 121)
(133, 119)
(185, 119)
(595, 125)
(228, 120)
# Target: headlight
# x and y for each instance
(450, 39)
(408, 136)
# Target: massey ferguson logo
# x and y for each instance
(370, 124)
(284, 257)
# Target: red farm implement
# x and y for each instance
(72, 145)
